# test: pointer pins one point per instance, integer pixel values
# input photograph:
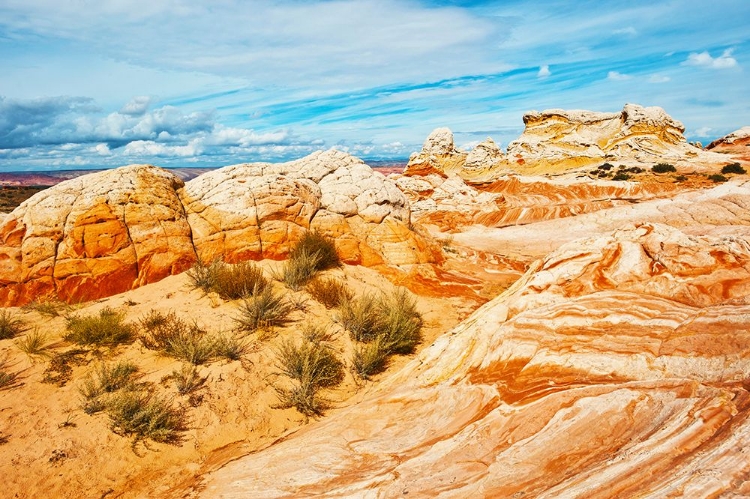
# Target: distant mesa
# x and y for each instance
(107, 232)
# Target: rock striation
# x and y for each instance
(438, 155)
(736, 144)
(105, 233)
(616, 367)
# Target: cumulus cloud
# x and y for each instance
(543, 71)
(151, 148)
(616, 76)
(137, 106)
(704, 59)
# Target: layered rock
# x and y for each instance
(108, 232)
(557, 140)
(94, 236)
(253, 211)
(737, 144)
(438, 155)
(617, 367)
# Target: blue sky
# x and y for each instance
(91, 84)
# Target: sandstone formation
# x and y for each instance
(485, 155)
(95, 236)
(258, 210)
(616, 367)
(438, 155)
(736, 144)
(453, 203)
(108, 232)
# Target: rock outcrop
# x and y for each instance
(616, 367)
(438, 155)
(557, 140)
(94, 236)
(736, 144)
(108, 232)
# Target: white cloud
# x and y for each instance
(703, 132)
(102, 150)
(151, 148)
(658, 79)
(615, 76)
(704, 59)
(630, 31)
(137, 106)
(543, 71)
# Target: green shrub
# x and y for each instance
(317, 334)
(717, 178)
(663, 168)
(734, 168)
(360, 317)
(34, 345)
(605, 167)
(230, 282)
(400, 324)
(369, 359)
(144, 415)
(680, 178)
(230, 347)
(173, 337)
(297, 271)
(621, 176)
(329, 291)
(262, 311)
(10, 325)
(105, 329)
(312, 367)
(106, 380)
(315, 243)
(187, 379)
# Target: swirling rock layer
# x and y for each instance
(616, 367)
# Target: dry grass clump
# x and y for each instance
(143, 414)
(108, 328)
(10, 325)
(49, 308)
(173, 337)
(230, 282)
(311, 367)
(187, 379)
(59, 370)
(384, 326)
(313, 253)
(330, 292)
(317, 334)
(263, 311)
(34, 345)
(107, 379)
(8, 379)
(230, 347)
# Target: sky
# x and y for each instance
(180, 83)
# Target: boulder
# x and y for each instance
(94, 236)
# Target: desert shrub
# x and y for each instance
(106, 380)
(108, 328)
(369, 359)
(230, 282)
(400, 325)
(187, 379)
(262, 311)
(171, 336)
(8, 379)
(59, 370)
(360, 317)
(230, 347)
(605, 167)
(635, 169)
(328, 291)
(716, 177)
(297, 271)
(317, 334)
(315, 243)
(733, 168)
(312, 367)
(680, 178)
(193, 346)
(621, 176)
(663, 168)
(10, 325)
(51, 308)
(603, 174)
(144, 415)
(34, 345)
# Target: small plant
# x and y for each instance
(317, 334)
(51, 308)
(144, 415)
(663, 168)
(171, 336)
(369, 359)
(187, 379)
(315, 243)
(34, 345)
(263, 311)
(360, 317)
(621, 176)
(717, 178)
(59, 370)
(400, 323)
(297, 271)
(733, 168)
(106, 380)
(105, 329)
(8, 380)
(194, 347)
(230, 282)
(312, 367)
(605, 167)
(680, 178)
(230, 347)
(329, 291)
(10, 326)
